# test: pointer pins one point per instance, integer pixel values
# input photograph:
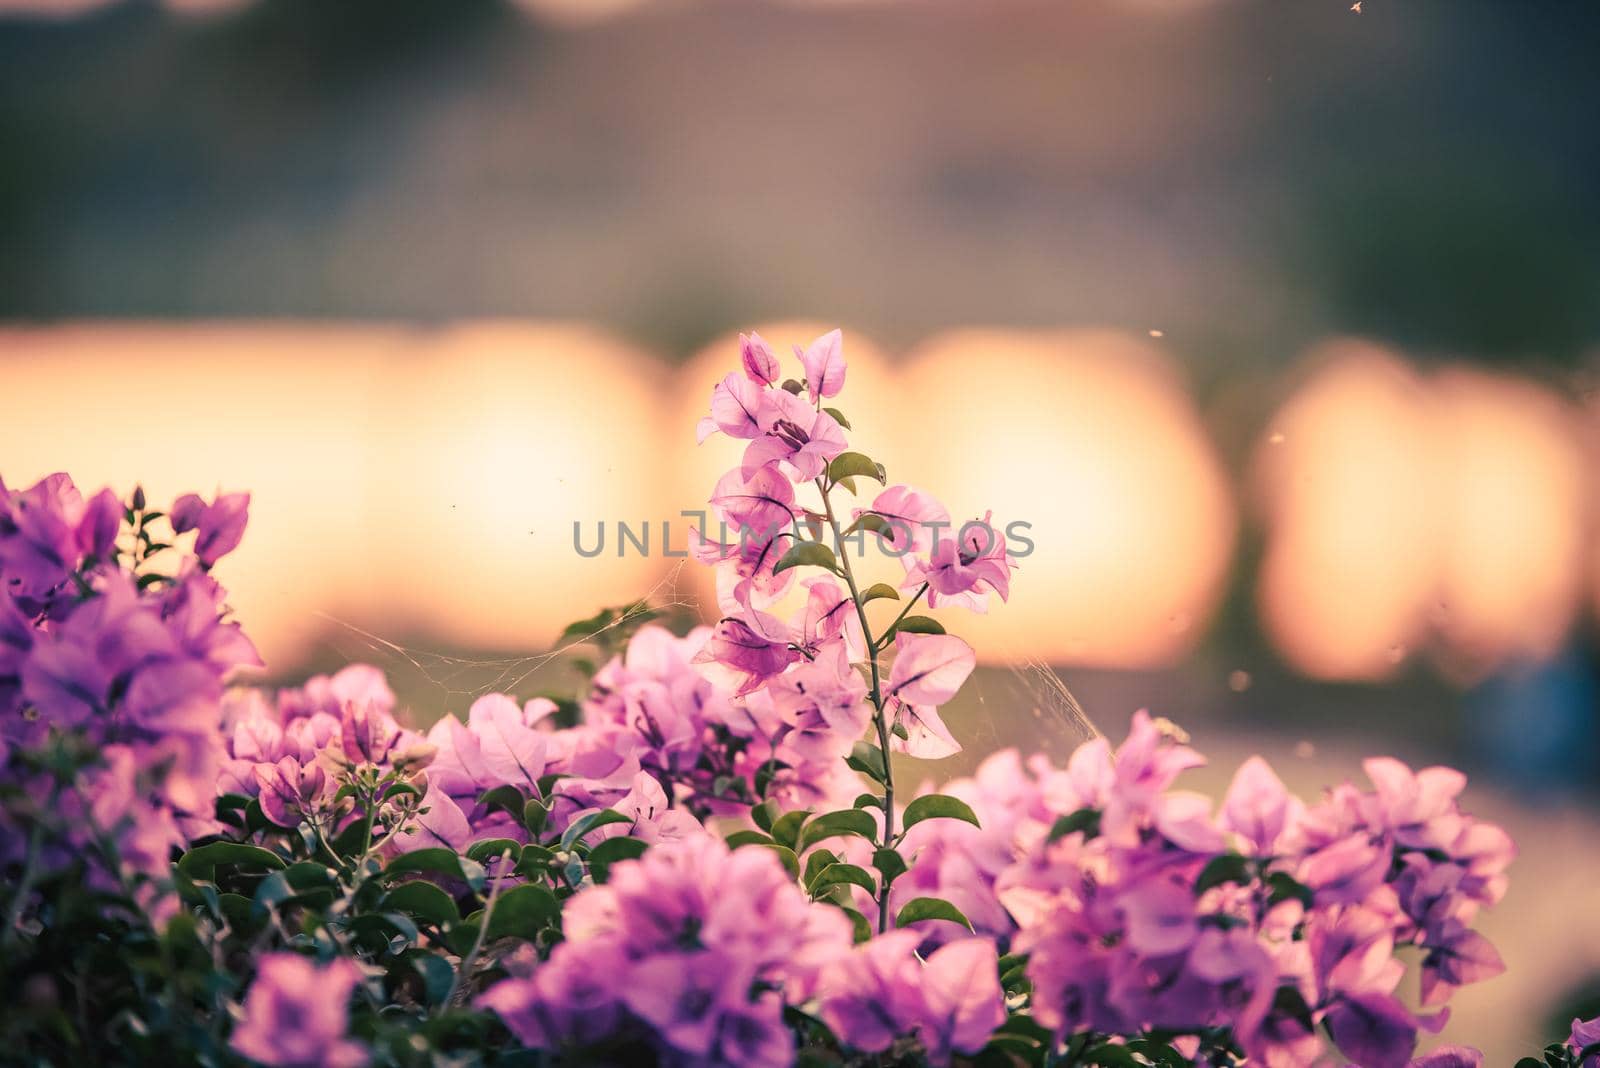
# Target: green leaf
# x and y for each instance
(522, 911)
(868, 801)
(438, 977)
(748, 837)
(786, 829)
(507, 799)
(868, 760)
(534, 861)
(870, 521)
(879, 591)
(1529, 1062)
(424, 901)
(838, 417)
(582, 826)
(1285, 887)
(765, 814)
(534, 816)
(439, 861)
(938, 806)
(793, 386)
(1226, 868)
(808, 554)
(491, 848)
(816, 860)
(611, 851)
(202, 862)
(832, 824)
(890, 863)
(929, 908)
(855, 464)
(841, 874)
(917, 625)
(1085, 820)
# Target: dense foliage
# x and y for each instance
(706, 859)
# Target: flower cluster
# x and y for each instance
(703, 859)
(111, 675)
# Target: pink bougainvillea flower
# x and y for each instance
(760, 365)
(510, 749)
(794, 433)
(1258, 806)
(753, 645)
(220, 524)
(913, 518)
(962, 1003)
(928, 669)
(757, 505)
(737, 405)
(296, 1014)
(289, 790)
(965, 568)
(823, 360)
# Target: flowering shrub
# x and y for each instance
(707, 859)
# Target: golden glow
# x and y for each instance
(1347, 469)
(1406, 513)
(505, 436)
(1091, 437)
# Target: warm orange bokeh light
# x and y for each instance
(1347, 472)
(1091, 437)
(285, 412)
(402, 482)
(1402, 509)
(510, 434)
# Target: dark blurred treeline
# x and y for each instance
(1244, 175)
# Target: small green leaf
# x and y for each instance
(808, 554)
(938, 806)
(438, 978)
(1285, 887)
(793, 386)
(868, 801)
(855, 464)
(765, 814)
(929, 908)
(748, 837)
(534, 862)
(1226, 868)
(423, 901)
(917, 625)
(202, 862)
(507, 799)
(492, 848)
(832, 824)
(534, 817)
(890, 863)
(1085, 820)
(868, 760)
(439, 861)
(841, 874)
(786, 829)
(816, 860)
(838, 417)
(612, 851)
(583, 825)
(522, 911)
(870, 521)
(879, 591)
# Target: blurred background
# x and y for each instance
(1279, 321)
